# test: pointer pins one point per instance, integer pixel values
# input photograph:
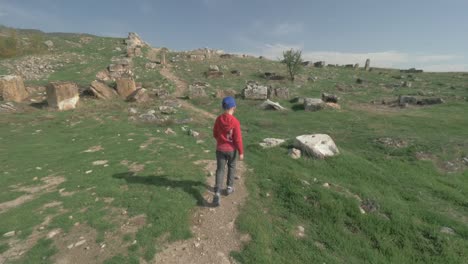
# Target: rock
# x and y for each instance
(404, 100)
(100, 162)
(360, 81)
(271, 142)
(300, 231)
(151, 65)
(214, 68)
(152, 118)
(313, 104)
(333, 106)
(224, 93)
(430, 101)
(169, 131)
(367, 66)
(132, 110)
(53, 233)
(103, 75)
(236, 72)
(125, 87)
(447, 230)
(196, 91)
(102, 91)
(356, 66)
(49, 44)
(326, 185)
(167, 110)
(80, 243)
(9, 234)
(12, 88)
(319, 146)
(254, 91)
(295, 153)
(140, 96)
(270, 105)
(319, 64)
(330, 98)
(194, 133)
(281, 93)
(407, 84)
(297, 100)
(214, 74)
(465, 160)
(62, 95)
(161, 93)
(7, 107)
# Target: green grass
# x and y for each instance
(165, 191)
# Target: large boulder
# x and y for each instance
(319, 146)
(140, 96)
(102, 91)
(313, 104)
(125, 87)
(12, 88)
(255, 91)
(62, 95)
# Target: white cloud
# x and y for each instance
(386, 59)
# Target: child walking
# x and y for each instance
(227, 133)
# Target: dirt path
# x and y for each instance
(214, 231)
(181, 89)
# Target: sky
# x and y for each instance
(427, 34)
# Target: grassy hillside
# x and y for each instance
(99, 174)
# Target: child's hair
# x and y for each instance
(228, 103)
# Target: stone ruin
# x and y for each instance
(12, 88)
(135, 45)
(254, 91)
(62, 95)
(197, 90)
(125, 87)
(214, 72)
(367, 66)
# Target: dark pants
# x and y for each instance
(221, 159)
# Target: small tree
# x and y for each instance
(293, 60)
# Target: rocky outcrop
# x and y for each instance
(140, 96)
(102, 91)
(62, 95)
(319, 146)
(12, 88)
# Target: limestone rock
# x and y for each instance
(167, 110)
(62, 95)
(281, 93)
(139, 96)
(102, 91)
(12, 88)
(317, 145)
(214, 68)
(270, 105)
(196, 91)
(313, 104)
(295, 153)
(271, 142)
(49, 44)
(125, 87)
(103, 75)
(255, 91)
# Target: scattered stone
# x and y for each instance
(169, 131)
(367, 66)
(132, 110)
(330, 98)
(7, 107)
(12, 88)
(140, 96)
(313, 104)
(326, 185)
(430, 101)
(49, 44)
(62, 95)
(89, 171)
(333, 106)
(80, 243)
(254, 91)
(161, 93)
(369, 206)
(271, 142)
(125, 87)
(214, 68)
(465, 160)
(317, 145)
(53, 233)
(102, 91)
(270, 105)
(197, 90)
(167, 110)
(281, 93)
(447, 230)
(151, 65)
(236, 72)
(9, 234)
(70, 246)
(407, 84)
(300, 231)
(295, 153)
(94, 149)
(103, 76)
(297, 100)
(100, 162)
(194, 133)
(404, 100)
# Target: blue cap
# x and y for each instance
(228, 103)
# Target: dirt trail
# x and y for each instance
(181, 89)
(214, 231)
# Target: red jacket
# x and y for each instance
(227, 133)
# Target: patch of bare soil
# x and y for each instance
(50, 184)
(133, 167)
(215, 235)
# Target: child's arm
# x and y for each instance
(237, 137)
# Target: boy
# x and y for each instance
(227, 133)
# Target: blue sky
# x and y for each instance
(428, 34)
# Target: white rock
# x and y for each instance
(295, 153)
(317, 145)
(271, 142)
(53, 233)
(9, 234)
(80, 243)
(100, 162)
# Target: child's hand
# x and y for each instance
(241, 157)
